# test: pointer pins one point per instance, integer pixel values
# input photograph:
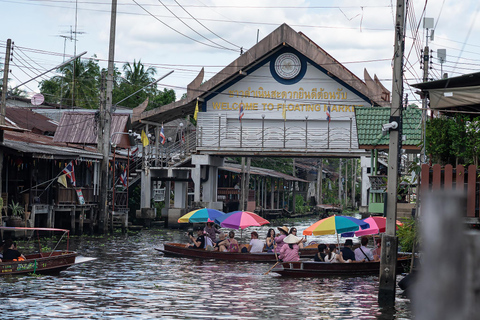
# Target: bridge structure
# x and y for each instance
(285, 97)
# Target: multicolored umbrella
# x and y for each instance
(377, 225)
(201, 215)
(335, 224)
(240, 220)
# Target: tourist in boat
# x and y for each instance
(10, 252)
(377, 251)
(270, 241)
(347, 252)
(256, 245)
(320, 255)
(279, 239)
(362, 252)
(211, 231)
(221, 238)
(293, 231)
(230, 244)
(289, 251)
(198, 243)
(334, 257)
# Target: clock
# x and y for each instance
(287, 66)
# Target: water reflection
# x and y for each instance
(130, 280)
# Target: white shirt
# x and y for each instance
(256, 245)
(359, 256)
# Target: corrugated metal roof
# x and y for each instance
(40, 146)
(27, 119)
(261, 172)
(81, 128)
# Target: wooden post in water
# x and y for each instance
(448, 283)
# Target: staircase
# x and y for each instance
(172, 155)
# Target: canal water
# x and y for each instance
(131, 280)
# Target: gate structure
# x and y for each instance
(284, 97)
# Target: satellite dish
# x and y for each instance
(37, 99)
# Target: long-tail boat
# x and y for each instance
(323, 269)
(42, 262)
(182, 250)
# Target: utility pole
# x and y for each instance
(340, 183)
(388, 260)
(107, 124)
(427, 24)
(242, 187)
(354, 181)
(319, 181)
(247, 182)
(3, 105)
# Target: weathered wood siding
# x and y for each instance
(436, 178)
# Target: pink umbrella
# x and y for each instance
(377, 225)
(240, 220)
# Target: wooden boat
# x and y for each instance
(44, 262)
(324, 269)
(181, 250)
(40, 263)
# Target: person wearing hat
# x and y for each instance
(347, 251)
(289, 251)
(293, 231)
(279, 239)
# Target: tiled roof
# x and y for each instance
(369, 127)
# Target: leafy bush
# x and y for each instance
(407, 235)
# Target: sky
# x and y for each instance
(186, 35)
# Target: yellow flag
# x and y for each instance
(144, 139)
(196, 112)
(284, 113)
(63, 180)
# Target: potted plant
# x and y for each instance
(16, 219)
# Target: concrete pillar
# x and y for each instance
(146, 187)
(196, 174)
(180, 195)
(272, 193)
(210, 171)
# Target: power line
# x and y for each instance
(152, 15)
(219, 45)
(205, 26)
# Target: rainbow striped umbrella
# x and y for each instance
(335, 225)
(201, 215)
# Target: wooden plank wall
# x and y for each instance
(435, 178)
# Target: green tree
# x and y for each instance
(78, 86)
(136, 77)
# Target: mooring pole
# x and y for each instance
(388, 260)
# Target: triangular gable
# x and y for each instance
(304, 87)
(282, 37)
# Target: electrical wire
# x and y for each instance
(219, 45)
(205, 26)
(173, 29)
